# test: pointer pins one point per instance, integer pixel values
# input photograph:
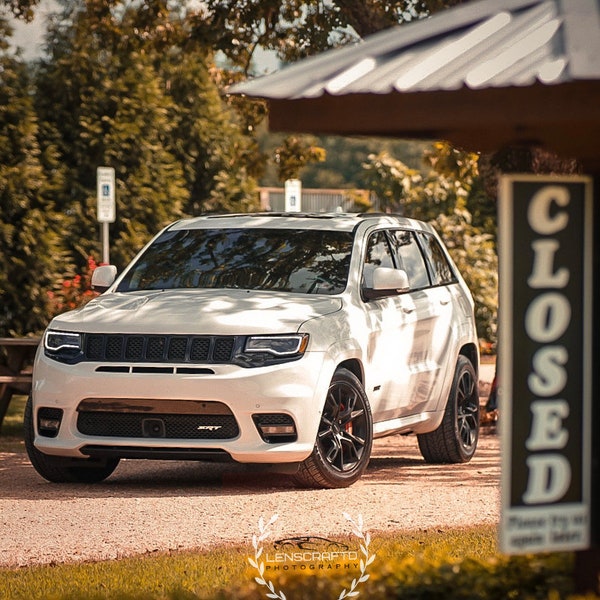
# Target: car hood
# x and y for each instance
(202, 312)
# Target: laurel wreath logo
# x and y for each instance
(264, 531)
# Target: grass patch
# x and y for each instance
(11, 434)
(429, 565)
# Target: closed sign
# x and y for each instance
(545, 248)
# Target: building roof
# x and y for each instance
(487, 43)
(483, 75)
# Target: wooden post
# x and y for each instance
(587, 562)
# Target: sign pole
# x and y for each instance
(105, 243)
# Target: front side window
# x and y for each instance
(409, 258)
(300, 261)
(378, 255)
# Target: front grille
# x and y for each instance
(166, 426)
(101, 347)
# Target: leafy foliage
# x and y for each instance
(294, 154)
(298, 28)
(75, 291)
(30, 249)
(136, 86)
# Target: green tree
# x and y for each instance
(297, 28)
(30, 246)
(294, 153)
(101, 103)
(213, 141)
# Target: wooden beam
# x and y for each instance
(564, 118)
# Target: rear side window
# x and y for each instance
(410, 258)
(441, 271)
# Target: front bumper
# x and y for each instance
(297, 389)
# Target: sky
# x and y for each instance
(30, 36)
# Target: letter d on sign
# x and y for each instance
(549, 478)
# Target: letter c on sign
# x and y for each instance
(538, 213)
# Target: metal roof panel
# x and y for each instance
(487, 43)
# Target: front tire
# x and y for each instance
(345, 437)
(455, 440)
(58, 469)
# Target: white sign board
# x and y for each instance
(546, 282)
(105, 182)
(293, 195)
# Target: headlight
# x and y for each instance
(280, 346)
(63, 346)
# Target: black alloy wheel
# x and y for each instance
(455, 440)
(343, 445)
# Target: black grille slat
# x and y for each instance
(274, 419)
(114, 347)
(177, 348)
(138, 348)
(155, 350)
(200, 349)
(95, 347)
(134, 348)
(130, 425)
(223, 349)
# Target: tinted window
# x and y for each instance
(378, 255)
(441, 270)
(258, 259)
(409, 258)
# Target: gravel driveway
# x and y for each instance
(163, 505)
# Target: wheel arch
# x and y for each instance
(471, 352)
(355, 367)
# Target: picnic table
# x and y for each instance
(16, 358)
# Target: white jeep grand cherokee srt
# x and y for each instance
(285, 339)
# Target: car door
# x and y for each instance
(394, 352)
(443, 317)
(431, 307)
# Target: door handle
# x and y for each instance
(407, 309)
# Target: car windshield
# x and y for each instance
(300, 261)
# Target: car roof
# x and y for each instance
(298, 220)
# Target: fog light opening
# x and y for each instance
(49, 420)
(276, 428)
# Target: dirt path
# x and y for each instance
(157, 506)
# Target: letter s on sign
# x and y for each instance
(549, 375)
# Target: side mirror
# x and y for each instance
(387, 282)
(103, 277)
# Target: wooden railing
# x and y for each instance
(16, 358)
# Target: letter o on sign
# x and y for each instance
(547, 317)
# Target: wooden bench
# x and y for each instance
(15, 379)
(16, 358)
